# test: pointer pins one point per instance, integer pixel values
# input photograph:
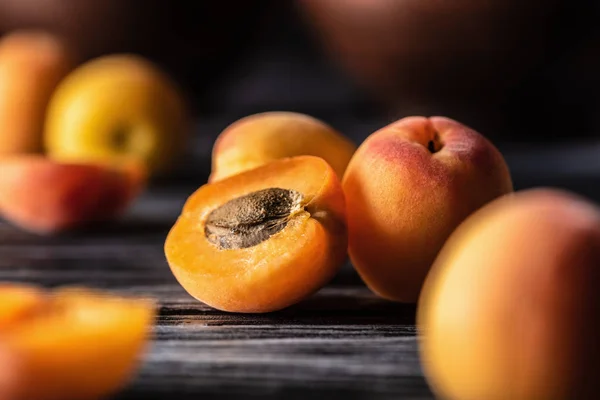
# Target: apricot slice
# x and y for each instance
(261, 240)
(46, 196)
(70, 343)
(260, 138)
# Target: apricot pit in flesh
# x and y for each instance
(261, 240)
(251, 219)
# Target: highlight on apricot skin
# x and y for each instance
(260, 138)
(46, 196)
(69, 343)
(261, 240)
(407, 187)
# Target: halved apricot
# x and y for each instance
(73, 343)
(45, 196)
(261, 240)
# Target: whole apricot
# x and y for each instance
(511, 308)
(32, 63)
(257, 139)
(46, 196)
(407, 187)
(263, 239)
(117, 107)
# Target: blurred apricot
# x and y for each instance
(46, 196)
(117, 107)
(511, 308)
(32, 63)
(257, 139)
(74, 343)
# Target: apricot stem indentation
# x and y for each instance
(431, 147)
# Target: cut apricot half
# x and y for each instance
(46, 196)
(261, 240)
(72, 343)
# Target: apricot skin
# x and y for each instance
(403, 201)
(511, 308)
(278, 272)
(44, 196)
(32, 63)
(8, 374)
(260, 138)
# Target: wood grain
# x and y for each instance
(341, 343)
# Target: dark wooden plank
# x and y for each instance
(343, 342)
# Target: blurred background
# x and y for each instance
(525, 74)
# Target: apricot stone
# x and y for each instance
(32, 63)
(257, 139)
(70, 343)
(263, 239)
(251, 219)
(46, 196)
(511, 308)
(407, 187)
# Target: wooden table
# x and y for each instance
(341, 343)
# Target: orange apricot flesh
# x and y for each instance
(69, 343)
(46, 196)
(17, 303)
(261, 240)
(260, 138)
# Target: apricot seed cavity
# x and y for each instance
(251, 219)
